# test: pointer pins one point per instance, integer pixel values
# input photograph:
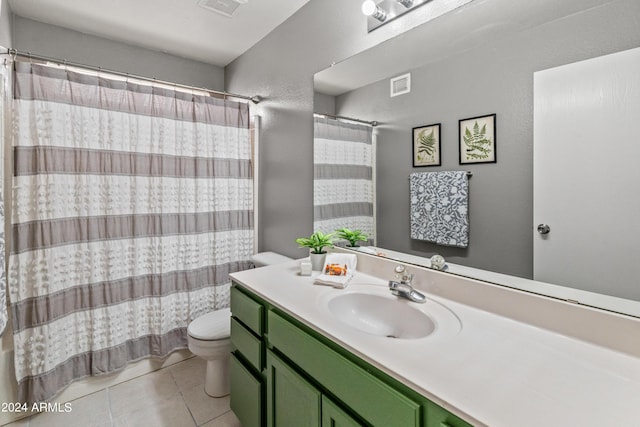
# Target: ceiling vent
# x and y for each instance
(400, 85)
(223, 7)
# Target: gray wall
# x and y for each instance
(5, 24)
(497, 79)
(324, 103)
(57, 42)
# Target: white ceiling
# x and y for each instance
(178, 27)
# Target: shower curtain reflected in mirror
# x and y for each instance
(131, 206)
(344, 177)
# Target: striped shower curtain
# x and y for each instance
(131, 205)
(343, 186)
(4, 110)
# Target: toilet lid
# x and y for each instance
(215, 325)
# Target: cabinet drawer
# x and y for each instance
(246, 394)
(247, 310)
(247, 344)
(378, 403)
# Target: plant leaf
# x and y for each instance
(427, 143)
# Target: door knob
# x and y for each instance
(543, 229)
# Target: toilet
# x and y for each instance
(263, 259)
(208, 337)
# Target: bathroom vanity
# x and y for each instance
(473, 354)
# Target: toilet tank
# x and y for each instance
(262, 259)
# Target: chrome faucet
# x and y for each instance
(402, 286)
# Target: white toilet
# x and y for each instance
(208, 337)
(268, 258)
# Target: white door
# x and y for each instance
(587, 174)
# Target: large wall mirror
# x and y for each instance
(478, 60)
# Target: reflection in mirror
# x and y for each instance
(477, 61)
(344, 176)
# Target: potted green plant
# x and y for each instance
(316, 243)
(352, 236)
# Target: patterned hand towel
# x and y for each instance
(439, 207)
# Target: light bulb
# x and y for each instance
(369, 7)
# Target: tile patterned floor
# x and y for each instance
(171, 397)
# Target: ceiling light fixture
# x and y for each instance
(381, 12)
(369, 8)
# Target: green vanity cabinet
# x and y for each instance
(292, 401)
(249, 310)
(247, 390)
(334, 416)
(375, 401)
(247, 380)
(285, 374)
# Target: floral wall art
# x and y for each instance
(478, 139)
(426, 145)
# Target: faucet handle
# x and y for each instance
(402, 274)
(438, 262)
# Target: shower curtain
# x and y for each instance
(343, 185)
(4, 105)
(132, 203)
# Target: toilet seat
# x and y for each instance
(212, 326)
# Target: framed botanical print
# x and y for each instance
(426, 145)
(478, 140)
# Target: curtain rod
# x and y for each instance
(333, 116)
(27, 55)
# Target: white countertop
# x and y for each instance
(495, 371)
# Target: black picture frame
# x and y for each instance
(426, 145)
(477, 140)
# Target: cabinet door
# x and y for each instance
(440, 417)
(334, 416)
(246, 394)
(375, 401)
(291, 400)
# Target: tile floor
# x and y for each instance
(171, 397)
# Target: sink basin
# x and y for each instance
(382, 315)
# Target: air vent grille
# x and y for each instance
(400, 85)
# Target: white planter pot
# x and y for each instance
(317, 261)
